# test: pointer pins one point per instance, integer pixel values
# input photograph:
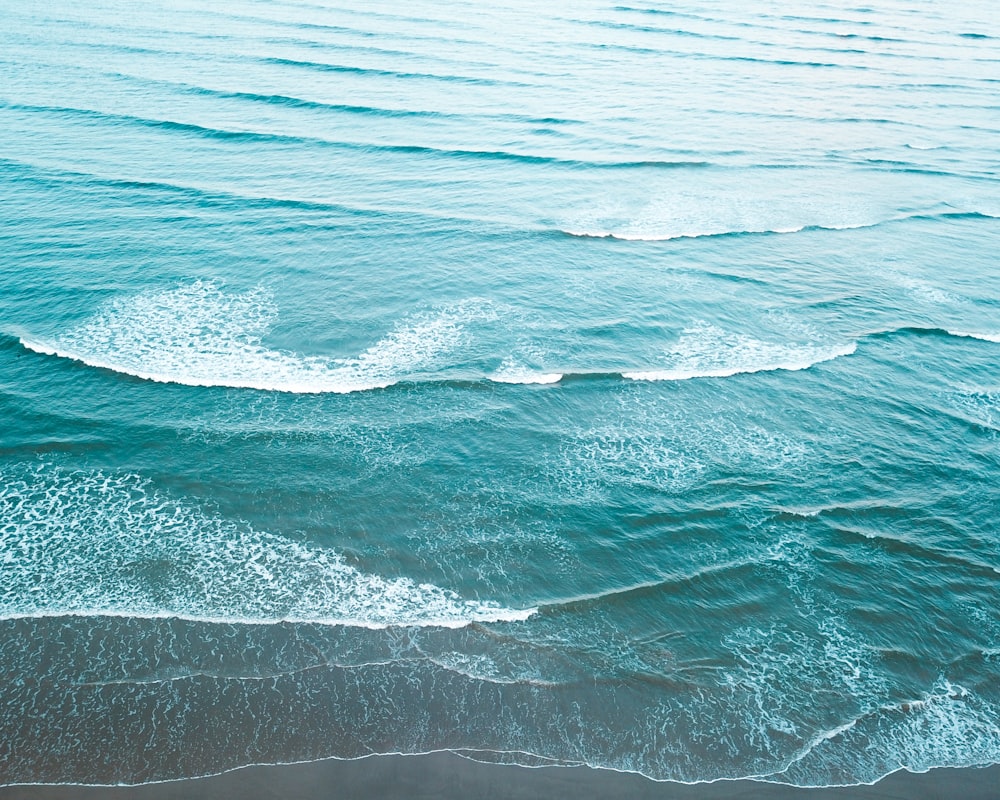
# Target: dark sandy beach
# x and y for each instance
(447, 776)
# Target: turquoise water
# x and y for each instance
(567, 383)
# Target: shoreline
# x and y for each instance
(453, 777)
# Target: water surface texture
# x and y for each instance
(554, 383)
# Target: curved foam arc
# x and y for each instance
(706, 351)
(198, 335)
(98, 544)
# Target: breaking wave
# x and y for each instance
(706, 351)
(91, 543)
(986, 337)
(198, 335)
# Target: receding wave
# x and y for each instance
(706, 351)
(91, 543)
(199, 335)
(947, 725)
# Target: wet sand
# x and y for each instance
(450, 777)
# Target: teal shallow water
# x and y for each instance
(597, 384)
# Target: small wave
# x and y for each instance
(198, 335)
(484, 668)
(626, 236)
(314, 105)
(95, 544)
(636, 233)
(986, 337)
(706, 351)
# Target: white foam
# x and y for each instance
(522, 367)
(923, 291)
(81, 543)
(706, 351)
(986, 337)
(981, 407)
(198, 335)
(654, 443)
(528, 377)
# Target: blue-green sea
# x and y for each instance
(552, 383)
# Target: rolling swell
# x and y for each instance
(317, 66)
(180, 194)
(290, 101)
(263, 138)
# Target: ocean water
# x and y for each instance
(553, 383)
